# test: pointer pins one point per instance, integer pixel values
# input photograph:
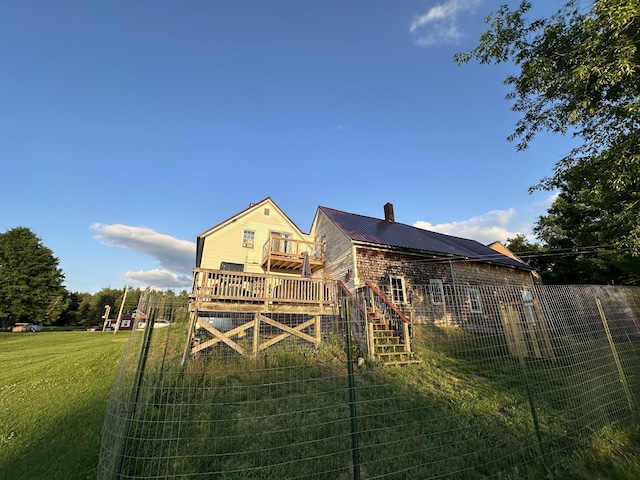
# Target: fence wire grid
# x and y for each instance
(511, 382)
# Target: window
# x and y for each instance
(125, 324)
(279, 244)
(397, 289)
(248, 237)
(473, 298)
(437, 292)
(232, 267)
(266, 212)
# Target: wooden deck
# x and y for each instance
(287, 254)
(263, 295)
(218, 290)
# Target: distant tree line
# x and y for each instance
(32, 288)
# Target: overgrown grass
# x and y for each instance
(53, 393)
(464, 412)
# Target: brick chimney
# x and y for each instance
(388, 212)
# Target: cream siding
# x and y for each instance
(224, 243)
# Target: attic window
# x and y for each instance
(248, 237)
(266, 212)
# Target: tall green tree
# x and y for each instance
(579, 74)
(31, 284)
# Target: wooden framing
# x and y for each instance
(254, 325)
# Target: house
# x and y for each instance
(249, 280)
(361, 249)
(127, 321)
(258, 279)
(499, 247)
(259, 239)
(401, 260)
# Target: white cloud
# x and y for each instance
(489, 227)
(175, 256)
(440, 25)
(545, 204)
(158, 278)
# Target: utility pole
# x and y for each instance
(124, 297)
(107, 309)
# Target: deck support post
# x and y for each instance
(256, 332)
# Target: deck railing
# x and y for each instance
(376, 301)
(288, 253)
(215, 285)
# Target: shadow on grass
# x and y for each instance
(68, 449)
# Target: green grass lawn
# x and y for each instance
(54, 388)
(53, 394)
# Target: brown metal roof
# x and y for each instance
(360, 228)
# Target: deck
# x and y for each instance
(281, 253)
(261, 296)
(219, 290)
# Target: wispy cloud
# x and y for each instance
(440, 25)
(486, 228)
(496, 225)
(176, 257)
(159, 278)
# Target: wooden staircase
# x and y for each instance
(386, 343)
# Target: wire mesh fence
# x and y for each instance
(506, 382)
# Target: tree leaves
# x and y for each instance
(30, 280)
(579, 74)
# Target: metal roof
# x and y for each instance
(376, 231)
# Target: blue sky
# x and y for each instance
(129, 127)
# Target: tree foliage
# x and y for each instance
(579, 74)
(31, 284)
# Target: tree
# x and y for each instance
(31, 284)
(582, 234)
(579, 73)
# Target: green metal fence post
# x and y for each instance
(532, 406)
(135, 392)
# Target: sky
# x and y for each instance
(128, 127)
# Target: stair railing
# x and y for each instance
(379, 303)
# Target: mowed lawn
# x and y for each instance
(53, 394)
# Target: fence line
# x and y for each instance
(511, 382)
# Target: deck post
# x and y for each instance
(256, 332)
(318, 332)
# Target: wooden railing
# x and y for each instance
(282, 252)
(378, 302)
(212, 285)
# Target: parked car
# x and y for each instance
(156, 324)
(26, 327)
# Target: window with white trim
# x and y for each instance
(437, 291)
(248, 238)
(473, 299)
(397, 289)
